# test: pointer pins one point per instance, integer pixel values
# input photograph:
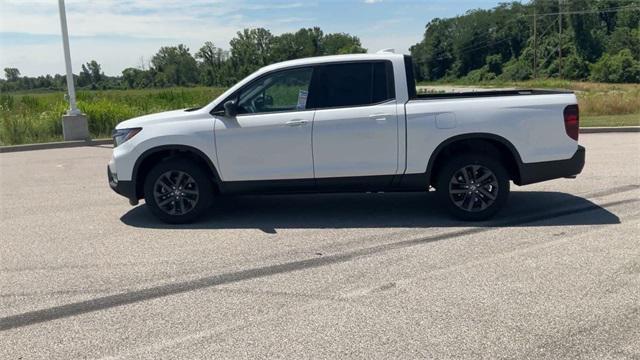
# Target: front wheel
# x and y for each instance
(178, 191)
(473, 187)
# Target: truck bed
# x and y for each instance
(488, 93)
(524, 117)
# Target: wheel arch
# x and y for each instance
(145, 162)
(488, 143)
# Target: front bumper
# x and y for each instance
(548, 170)
(124, 188)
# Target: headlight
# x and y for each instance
(122, 135)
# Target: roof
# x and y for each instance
(331, 58)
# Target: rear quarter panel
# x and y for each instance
(533, 124)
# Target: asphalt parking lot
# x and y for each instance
(84, 275)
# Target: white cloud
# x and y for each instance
(117, 33)
(372, 1)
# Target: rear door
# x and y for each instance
(355, 128)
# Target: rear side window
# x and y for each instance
(353, 84)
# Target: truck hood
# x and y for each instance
(157, 118)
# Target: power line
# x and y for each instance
(476, 47)
(591, 11)
(490, 42)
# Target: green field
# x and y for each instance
(35, 117)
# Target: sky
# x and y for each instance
(127, 33)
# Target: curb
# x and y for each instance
(55, 145)
(612, 129)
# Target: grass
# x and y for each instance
(35, 117)
(595, 99)
(610, 120)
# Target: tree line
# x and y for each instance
(249, 50)
(597, 40)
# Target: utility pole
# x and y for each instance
(74, 124)
(560, 39)
(535, 43)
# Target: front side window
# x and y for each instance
(354, 84)
(286, 90)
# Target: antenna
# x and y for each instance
(386, 51)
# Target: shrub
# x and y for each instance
(479, 75)
(619, 68)
(516, 70)
(494, 63)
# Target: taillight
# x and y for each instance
(572, 121)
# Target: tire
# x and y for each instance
(463, 196)
(178, 191)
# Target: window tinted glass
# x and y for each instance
(379, 82)
(354, 84)
(282, 91)
(346, 84)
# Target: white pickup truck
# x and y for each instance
(347, 123)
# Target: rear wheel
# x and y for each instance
(178, 191)
(473, 187)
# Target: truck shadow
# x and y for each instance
(401, 210)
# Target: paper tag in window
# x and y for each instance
(302, 99)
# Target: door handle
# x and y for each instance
(297, 122)
(379, 117)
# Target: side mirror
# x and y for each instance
(230, 108)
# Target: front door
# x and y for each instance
(270, 138)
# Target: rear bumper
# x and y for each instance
(548, 170)
(124, 188)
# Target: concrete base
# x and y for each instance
(75, 127)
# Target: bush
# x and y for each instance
(516, 70)
(479, 75)
(619, 68)
(494, 63)
(575, 68)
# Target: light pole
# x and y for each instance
(74, 123)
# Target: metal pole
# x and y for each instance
(560, 39)
(67, 59)
(535, 43)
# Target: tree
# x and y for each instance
(137, 78)
(91, 74)
(619, 68)
(251, 50)
(625, 38)
(494, 63)
(309, 42)
(433, 56)
(471, 45)
(516, 70)
(285, 47)
(174, 66)
(11, 74)
(212, 64)
(341, 43)
(574, 67)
